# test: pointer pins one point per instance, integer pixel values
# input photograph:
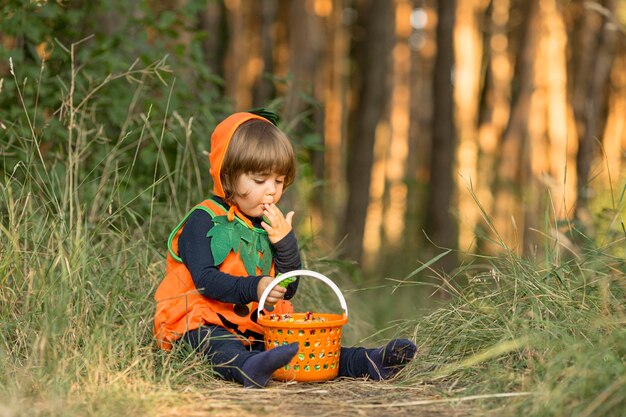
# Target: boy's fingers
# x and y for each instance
(276, 294)
(289, 217)
(272, 300)
(279, 291)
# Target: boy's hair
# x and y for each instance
(257, 147)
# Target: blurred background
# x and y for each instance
(427, 130)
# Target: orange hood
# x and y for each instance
(220, 140)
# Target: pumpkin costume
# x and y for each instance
(238, 248)
(216, 245)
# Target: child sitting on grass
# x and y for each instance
(226, 251)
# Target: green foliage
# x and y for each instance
(68, 61)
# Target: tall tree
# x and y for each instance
(305, 44)
(440, 224)
(614, 141)
(495, 105)
(212, 21)
(303, 116)
(264, 88)
(558, 173)
(422, 60)
(507, 212)
(393, 202)
(373, 41)
(243, 61)
(335, 114)
(597, 39)
(467, 75)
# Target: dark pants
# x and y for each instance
(227, 354)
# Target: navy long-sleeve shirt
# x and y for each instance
(194, 249)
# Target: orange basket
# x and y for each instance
(320, 341)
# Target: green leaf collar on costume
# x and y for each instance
(237, 237)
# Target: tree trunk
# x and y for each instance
(559, 176)
(495, 107)
(243, 64)
(394, 198)
(590, 96)
(614, 138)
(305, 45)
(212, 21)
(334, 195)
(422, 62)
(508, 215)
(372, 46)
(302, 114)
(440, 224)
(264, 88)
(467, 74)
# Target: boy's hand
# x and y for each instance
(274, 296)
(275, 223)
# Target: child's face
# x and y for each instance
(255, 190)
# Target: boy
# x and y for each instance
(227, 250)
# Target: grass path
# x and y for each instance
(335, 398)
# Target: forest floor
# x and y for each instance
(334, 398)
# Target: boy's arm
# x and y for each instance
(287, 258)
(194, 249)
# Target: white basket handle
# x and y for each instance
(301, 273)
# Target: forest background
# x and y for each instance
(434, 138)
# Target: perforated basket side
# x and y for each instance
(318, 354)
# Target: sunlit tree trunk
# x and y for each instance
(560, 175)
(440, 225)
(508, 214)
(243, 63)
(535, 165)
(303, 114)
(614, 138)
(543, 179)
(467, 78)
(335, 106)
(384, 226)
(494, 111)
(372, 48)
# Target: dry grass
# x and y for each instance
(334, 398)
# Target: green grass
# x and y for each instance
(554, 328)
(83, 236)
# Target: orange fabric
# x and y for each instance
(220, 139)
(181, 308)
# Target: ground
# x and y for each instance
(335, 398)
